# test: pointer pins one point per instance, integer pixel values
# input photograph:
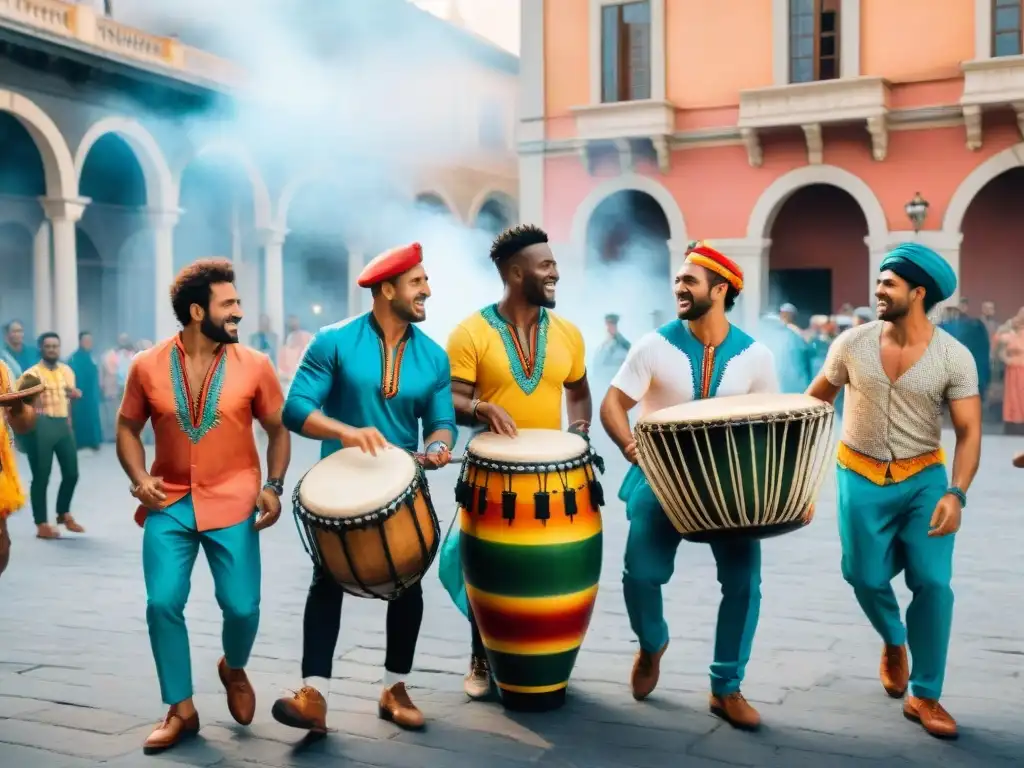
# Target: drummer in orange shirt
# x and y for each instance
(202, 390)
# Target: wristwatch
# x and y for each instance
(437, 446)
(274, 484)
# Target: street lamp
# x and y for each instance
(917, 211)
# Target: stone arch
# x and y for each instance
(58, 165)
(438, 194)
(778, 192)
(287, 197)
(262, 207)
(492, 194)
(999, 163)
(629, 183)
(160, 192)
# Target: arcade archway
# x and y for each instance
(627, 246)
(819, 259)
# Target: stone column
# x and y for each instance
(42, 279)
(63, 216)
(163, 224)
(272, 242)
(751, 255)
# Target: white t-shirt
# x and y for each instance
(670, 366)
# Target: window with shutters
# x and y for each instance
(626, 52)
(813, 40)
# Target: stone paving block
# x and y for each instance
(68, 741)
(15, 756)
(85, 719)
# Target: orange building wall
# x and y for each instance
(913, 40)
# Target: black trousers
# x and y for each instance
(321, 626)
(477, 641)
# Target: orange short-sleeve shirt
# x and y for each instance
(211, 455)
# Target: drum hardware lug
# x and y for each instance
(508, 505)
(481, 500)
(596, 494)
(569, 495)
(542, 506)
(464, 494)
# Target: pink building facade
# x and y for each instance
(792, 133)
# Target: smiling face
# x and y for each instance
(695, 296)
(537, 272)
(895, 296)
(219, 322)
(408, 295)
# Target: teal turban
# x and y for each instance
(922, 266)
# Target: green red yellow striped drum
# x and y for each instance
(531, 549)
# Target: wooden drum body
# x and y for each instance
(748, 466)
(368, 521)
(531, 547)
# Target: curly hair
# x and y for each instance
(192, 286)
(514, 240)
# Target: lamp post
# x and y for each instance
(917, 211)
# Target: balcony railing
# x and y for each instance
(991, 84)
(82, 24)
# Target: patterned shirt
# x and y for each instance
(211, 453)
(485, 351)
(892, 422)
(53, 401)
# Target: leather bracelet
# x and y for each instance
(954, 491)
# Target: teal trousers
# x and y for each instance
(884, 530)
(650, 560)
(170, 544)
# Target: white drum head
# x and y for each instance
(736, 407)
(350, 483)
(530, 446)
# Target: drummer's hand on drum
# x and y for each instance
(269, 505)
(367, 439)
(150, 492)
(497, 418)
(630, 452)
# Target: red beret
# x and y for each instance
(390, 264)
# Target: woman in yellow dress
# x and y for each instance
(20, 417)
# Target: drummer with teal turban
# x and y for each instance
(898, 508)
(699, 355)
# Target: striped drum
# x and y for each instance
(531, 555)
(747, 466)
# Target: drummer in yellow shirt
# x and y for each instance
(511, 363)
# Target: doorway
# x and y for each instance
(810, 290)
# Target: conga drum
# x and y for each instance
(746, 466)
(368, 520)
(531, 549)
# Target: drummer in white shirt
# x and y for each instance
(699, 355)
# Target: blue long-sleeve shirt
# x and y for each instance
(343, 373)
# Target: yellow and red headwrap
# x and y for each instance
(703, 255)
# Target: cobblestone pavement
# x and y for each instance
(78, 688)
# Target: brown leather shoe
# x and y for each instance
(241, 696)
(307, 709)
(47, 531)
(736, 711)
(894, 671)
(646, 671)
(477, 683)
(71, 524)
(932, 717)
(396, 706)
(172, 731)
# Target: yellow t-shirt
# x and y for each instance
(484, 351)
(53, 400)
